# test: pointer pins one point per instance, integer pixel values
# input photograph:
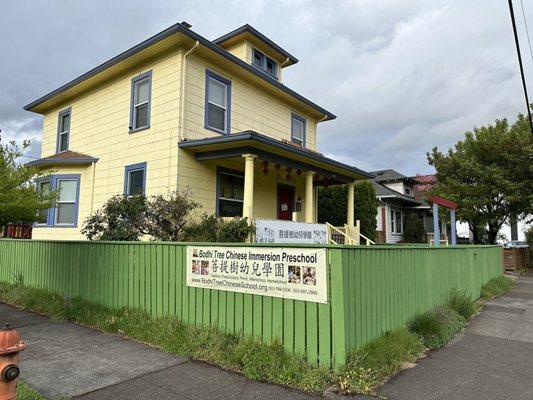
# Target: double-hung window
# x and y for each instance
(63, 130)
(141, 88)
(64, 213)
(265, 63)
(230, 196)
(217, 103)
(135, 179)
(396, 222)
(298, 130)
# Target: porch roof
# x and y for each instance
(275, 151)
(64, 157)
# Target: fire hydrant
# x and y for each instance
(10, 347)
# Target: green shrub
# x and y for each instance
(437, 327)
(414, 230)
(463, 304)
(496, 287)
(212, 228)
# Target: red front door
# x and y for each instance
(285, 202)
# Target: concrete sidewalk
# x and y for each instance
(69, 360)
(491, 360)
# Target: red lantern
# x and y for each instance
(277, 167)
(298, 172)
(288, 177)
(265, 167)
(325, 182)
(289, 170)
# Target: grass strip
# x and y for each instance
(496, 287)
(366, 368)
(24, 392)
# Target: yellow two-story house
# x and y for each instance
(179, 111)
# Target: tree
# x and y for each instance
(20, 200)
(489, 174)
(366, 208)
(332, 206)
(414, 230)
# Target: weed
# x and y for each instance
(496, 287)
(375, 362)
(18, 279)
(463, 304)
(437, 327)
(24, 392)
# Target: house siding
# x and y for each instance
(99, 128)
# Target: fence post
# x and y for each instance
(338, 306)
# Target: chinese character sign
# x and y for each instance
(290, 273)
(275, 231)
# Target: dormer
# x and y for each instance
(251, 46)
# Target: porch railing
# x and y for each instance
(347, 234)
(443, 238)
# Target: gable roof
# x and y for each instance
(179, 28)
(387, 175)
(384, 192)
(65, 157)
(251, 30)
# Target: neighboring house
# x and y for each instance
(180, 111)
(396, 195)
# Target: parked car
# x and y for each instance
(515, 244)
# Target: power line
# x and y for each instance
(520, 64)
(527, 30)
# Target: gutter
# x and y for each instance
(162, 35)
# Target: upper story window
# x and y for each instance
(265, 63)
(217, 103)
(65, 211)
(63, 130)
(141, 88)
(230, 194)
(135, 179)
(408, 191)
(298, 130)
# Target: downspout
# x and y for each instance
(181, 127)
(183, 82)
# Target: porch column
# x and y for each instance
(350, 210)
(248, 198)
(309, 196)
(436, 227)
(453, 231)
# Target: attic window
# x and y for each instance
(265, 63)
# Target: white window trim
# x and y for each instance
(58, 202)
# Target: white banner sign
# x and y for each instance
(276, 231)
(269, 271)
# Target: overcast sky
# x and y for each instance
(401, 75)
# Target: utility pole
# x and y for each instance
(520, 64)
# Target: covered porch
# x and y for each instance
(261, 177)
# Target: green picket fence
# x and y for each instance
(370, 289)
